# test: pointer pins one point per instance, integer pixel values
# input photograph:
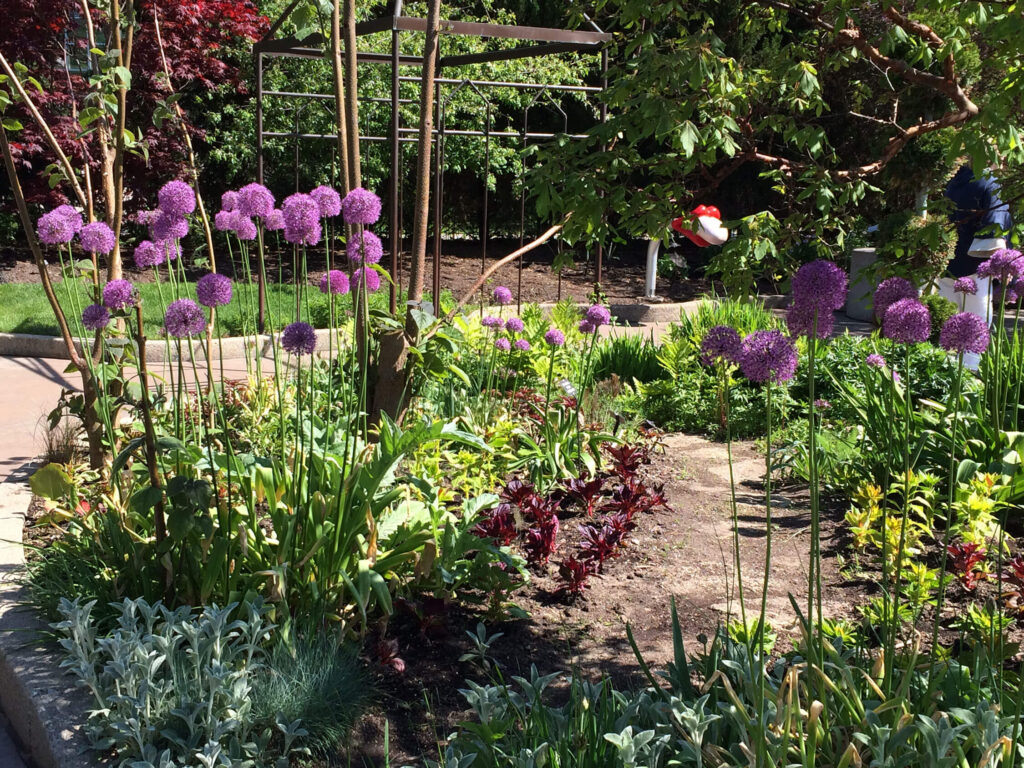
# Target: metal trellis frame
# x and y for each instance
(536, 41)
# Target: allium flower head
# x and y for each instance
(1005, 265)
(301, 219)
(966, 285)
(964, 332)
(721, 344)
(875, 360)
(1015, 291)
(514, 325)
(491, 322)
(73, 216)
(299, 339)
(891, 290)
(502, 295)
(366, 278)
(255, 200)
(369, 251)
(145, 218)
(907, 321)
(95, 317)
(184, 318)
(176, 199)
(598, 315)
(585, 326)
(554, 337)
(214, 290)
(522, 345)
(229, 200)
(820, 284)
(56, 227)
(335, 282)
(360, 206)
(97, 238)
(503, 344)
(274, 220)
(800, 321)
(168, 226)
(245, 228)
(119, 294)
(225, 220)
(768, 356)
(148, 254)
(170, 249)
(328, 200)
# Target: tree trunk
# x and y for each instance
(352, 95)
(339, 97)
(393, 371)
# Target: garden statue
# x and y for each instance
(709, 232)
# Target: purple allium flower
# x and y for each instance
(875, 360)
(148, 254)
(598, 315)
(502, 295)
(170, 249)
(370, 252)
(768, 356)
(95, 317)
(820, 284)
(145, 218)
(97, 238)
(184, 318)
(721, 344)
(167, 226)
(1005, 265)
(119, 294)
(328, 200)
(301, 219)
(255, 200)
(907, 321)
(503, 344)
(274, 220)
(891, 290)
(514, 325)
(800, 321)
(360, 206)
(522, 345)
(369, 275)
(214, 290)
(964, 332)
(554, 337)
(299, 339)
(225, 220)
(176, 199)
(585, 326)
(966, 285)
(491, 322)
(822, 404)
(1015, 291)
(56, 227)
(229, 200)
(245, 228)
(335, 282)
(73, 216)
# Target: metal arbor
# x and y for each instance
(537, 41)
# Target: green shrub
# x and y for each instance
(631, 358)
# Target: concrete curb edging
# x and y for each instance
(45, 708)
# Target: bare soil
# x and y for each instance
(685, 554)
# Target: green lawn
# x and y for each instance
(24, 308)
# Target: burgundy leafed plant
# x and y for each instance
(627, 459)
(600, 543)
(966, 558)
(499, 524)
(574, 575)
(541, 541)
(1013, 578)
(516, 491)
(586, 491)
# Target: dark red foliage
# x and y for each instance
(387, 655)
(574, 576)
(204, 40)
(1013, 577)
(516, 491)
(499, 524)
(541, 541)
(623, 523)
(586, 491)
(627, 459)
(600, 544)
(538, 509)
(965, 560)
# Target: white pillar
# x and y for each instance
(651, 282)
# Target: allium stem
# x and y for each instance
(814, 570)
(723, 383)
(762, 743)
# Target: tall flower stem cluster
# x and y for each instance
(595, 316)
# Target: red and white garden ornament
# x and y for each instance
(709, 229)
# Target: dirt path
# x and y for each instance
(685, 553)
